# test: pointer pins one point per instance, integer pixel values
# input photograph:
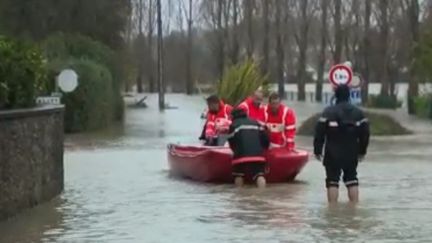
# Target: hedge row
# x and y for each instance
(97, 102)
(22, 74)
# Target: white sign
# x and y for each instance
(67, 80)
(356, 81)
(48, 100)
(340, 74)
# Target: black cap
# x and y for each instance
(237, 113)
(342, 93)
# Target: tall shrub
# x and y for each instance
(22, 74)
(91, 106)
(99, 78)
(240, 81)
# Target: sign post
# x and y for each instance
(342, 74)
(355, 85)
(67, 82)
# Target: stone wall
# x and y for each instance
(31, 157)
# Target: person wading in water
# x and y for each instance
(248, 141)
(343, 133)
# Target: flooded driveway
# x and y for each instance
(117, 190)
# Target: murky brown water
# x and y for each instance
(118, 190)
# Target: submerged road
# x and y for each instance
(117, 190)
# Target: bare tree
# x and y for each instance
(266, 30)
(150, 59)
(220, 37)
(249, 7)
(213, 15)
(366, 50)
(189, 77)
(412, 8)
(384, 28)
(306, 9)
(235, 46)
(322, 51)
(140, 12)
(353, 34)
(280, 55)
(161, 81)
(338, 31)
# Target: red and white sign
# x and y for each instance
(340, 74)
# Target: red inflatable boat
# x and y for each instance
(213, 164)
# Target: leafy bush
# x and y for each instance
(91, 105)
(64, 46)
(240, 81)
(384, 102)
(97, 101)
(423, 106)
(22, 74)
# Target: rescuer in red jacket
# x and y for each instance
(281, 123)
(253, 106)
(217, 123)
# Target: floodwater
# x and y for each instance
(117, 189)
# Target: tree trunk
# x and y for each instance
(303, 46)
(322, 53)
(140, 46)
(161, 83)
(337, 55)
(221, 43)
(413, 90)
(384, 35)
(280, 52)
(366, 53)
(150, 60)
(189, 78)
(249, 22)
(235, 48)
(266, 30)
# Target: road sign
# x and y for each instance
(340, 74)
(48, 100)
(67, 80)
(356, 98)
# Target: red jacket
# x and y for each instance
(281, 127)
(253, 112)
(218, 122)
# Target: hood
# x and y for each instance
(238, 113)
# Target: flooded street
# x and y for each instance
(117, 189)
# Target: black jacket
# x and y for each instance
(344, 131)
(248, 139)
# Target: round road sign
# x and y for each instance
(340, 74)
(68, 80)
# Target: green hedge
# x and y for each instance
(423, 106)
(22, 74)
(91, 105)
(97, 102)
(384, 102)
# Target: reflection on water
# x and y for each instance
(117, 189)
